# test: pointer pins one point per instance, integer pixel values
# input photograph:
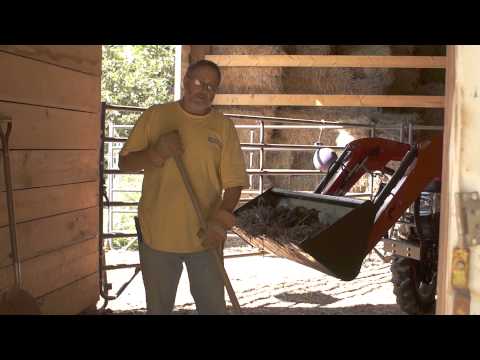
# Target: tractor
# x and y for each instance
(404, 214)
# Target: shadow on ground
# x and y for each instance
(351, 310)
(316, 297)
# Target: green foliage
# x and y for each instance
(132, 75)
(138, 75)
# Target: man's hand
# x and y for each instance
(155, 157)
(218, 225)
(169, 145)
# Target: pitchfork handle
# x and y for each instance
(203, 224)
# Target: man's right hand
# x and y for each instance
(170, 144)
(167, 146)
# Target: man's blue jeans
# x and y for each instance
(161, 273)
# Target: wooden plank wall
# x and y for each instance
(52, 93)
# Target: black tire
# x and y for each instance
(413, 295)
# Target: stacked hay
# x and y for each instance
(250, 80)
(373, 81)
(429, 82)
(432, 82)
(361, 81)
(306, 81)
(368, 81)
(405, 80)
(329, 81)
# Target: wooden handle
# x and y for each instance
(5, 125)
(4, 137)
(191, 193)
(203, 224)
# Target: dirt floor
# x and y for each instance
(269, 285)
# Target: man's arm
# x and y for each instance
(230, 198)
(223, 219)
(139, 160)
(168, 145)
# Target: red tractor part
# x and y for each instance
(358, 225)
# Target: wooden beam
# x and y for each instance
(49, 201)
(336, 61)
(329, 100)
(54, 270)
(36, 127)
(84, 58)
(36, 238)
(73, 298)
(32, 82)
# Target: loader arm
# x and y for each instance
(395, 199)
(419, 165)
(359, 157)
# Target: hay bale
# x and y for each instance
(316, 80)
(327, 81)
(303, 159)
(406, 82)
(310, 49)
(241, 80)
(430, 50)
(251, 80)
(432, 117)
(394, 120)
(367, 81)
(431, 88)
(403, 50)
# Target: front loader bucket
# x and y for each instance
(338, 250)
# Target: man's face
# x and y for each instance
(200, 87)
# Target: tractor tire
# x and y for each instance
(413, 296)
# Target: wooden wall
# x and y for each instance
(52, 94)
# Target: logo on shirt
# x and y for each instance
(214, 140)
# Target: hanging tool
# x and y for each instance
(14, 300)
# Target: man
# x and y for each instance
(209, 146)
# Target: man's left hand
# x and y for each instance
(217, 228)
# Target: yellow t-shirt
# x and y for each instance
(214, 161)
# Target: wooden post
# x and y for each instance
(443, 261)
(198, 52)
(461, 173)
(178, 72)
